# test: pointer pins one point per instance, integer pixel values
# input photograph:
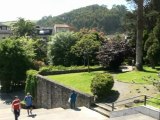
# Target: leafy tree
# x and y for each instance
(59, 51)
(15, 58)
(152, 45)
(23, 28)
(87, 47)
(112, 53)
(41, 50)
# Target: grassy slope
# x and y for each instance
(79, 81)
(138, 76)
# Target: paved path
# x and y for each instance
(81, 113)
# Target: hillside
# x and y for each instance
(94, 16)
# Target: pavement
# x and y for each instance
(81, 113)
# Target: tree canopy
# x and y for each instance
(16, 57)
(23, 28)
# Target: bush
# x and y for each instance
(102, 84)
(47, 69)
(31, 82)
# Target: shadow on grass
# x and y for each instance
(112, 97)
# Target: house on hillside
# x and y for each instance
(44, 32)
(61, 28)
(5, 31)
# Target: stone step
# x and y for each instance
(104, 106)
(101, 111)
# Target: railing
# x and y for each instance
(141, 99)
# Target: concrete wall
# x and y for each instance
(51, 95)
(146, 110)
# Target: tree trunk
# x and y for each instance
(139, 46)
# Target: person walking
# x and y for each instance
(73, 98)
(16, 106)
(28, 101)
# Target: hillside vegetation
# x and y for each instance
(94, 16)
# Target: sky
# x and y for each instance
(11, 10)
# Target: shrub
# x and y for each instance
(47, 69)
(102, 84)
(31, 82)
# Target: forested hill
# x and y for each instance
(94, 16)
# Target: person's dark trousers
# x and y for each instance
(16, 114)
(73, 105)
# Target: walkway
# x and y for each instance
(81, 113)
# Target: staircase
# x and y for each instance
(102, 108)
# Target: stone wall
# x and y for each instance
(51, 95)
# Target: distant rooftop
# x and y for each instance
(61, 25)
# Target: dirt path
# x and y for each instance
(128, 90)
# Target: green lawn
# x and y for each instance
(154, 102)
(138, 76)
(78, 81)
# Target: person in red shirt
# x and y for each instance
(16, 106)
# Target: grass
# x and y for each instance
(138, 76)
(78, 81)
(154, 102)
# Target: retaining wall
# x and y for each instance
(52, 95)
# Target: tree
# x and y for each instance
(59, 50)
(16, 57)
(112, 53)
(139, 39)
(152, 45)
(87, 47)
(152, 48)
(139, 45)
(23, 28)
(41, 50)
